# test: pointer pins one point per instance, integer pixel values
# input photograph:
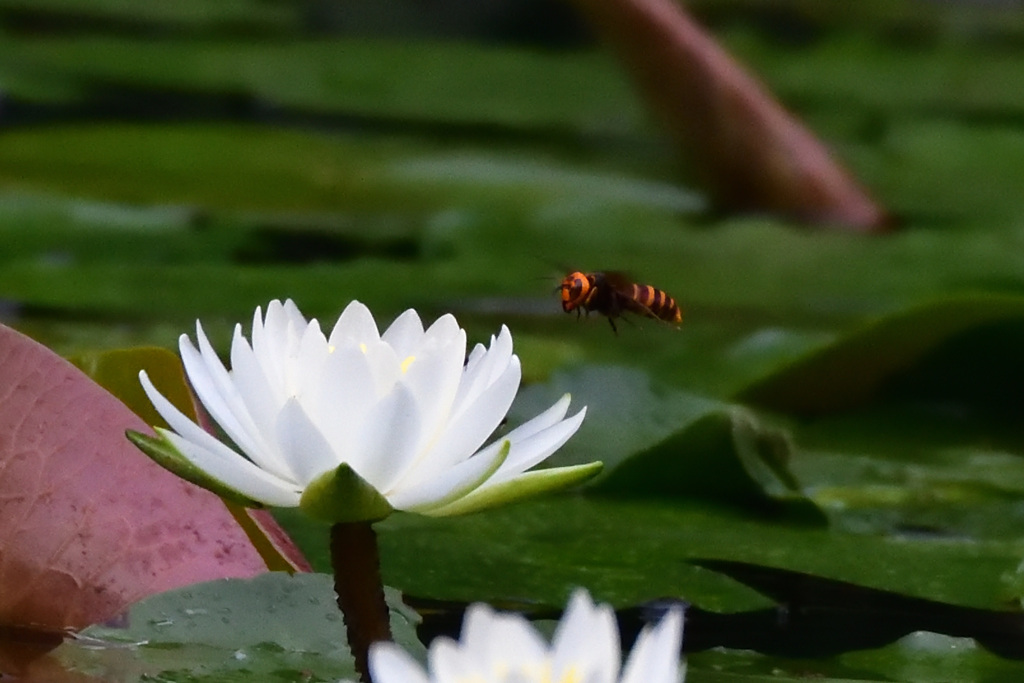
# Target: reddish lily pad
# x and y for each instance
(91, 525)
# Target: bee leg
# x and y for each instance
(611, 322)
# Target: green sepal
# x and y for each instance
(167, 456)
(341, 495)
(524, 486)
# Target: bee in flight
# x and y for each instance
(612, 293)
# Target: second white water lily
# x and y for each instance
(506, 648)
(354, 423)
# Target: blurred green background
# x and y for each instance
(165, 161)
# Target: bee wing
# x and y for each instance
(620, 280)
(555, 268)
(622, 283)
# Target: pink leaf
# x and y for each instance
(90, 524)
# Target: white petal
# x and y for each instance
(464, 436)
(528, 452)
(444, 330)
(385, 366)
(177, 420)
(294, 315)
(655, 657)
(389, 663)
(465, 433)
(501, 350)
(482, 371)
(302, 444)
(263, 353)
(188, 432)
(355, 323)
(447, 661)
(476, 355)
(405, 334)
(310, 356)
(387, 437)
(234, 471)
(221, 398)
(273, 346)
(437, 371)
(508, 638)
(249, 378)
(477, 623)
(258, 337)
(433, 379)
(550, 417)
(587, 640)
(343, 398)
(463, 477)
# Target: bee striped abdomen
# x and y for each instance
(656, 303)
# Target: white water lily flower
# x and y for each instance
(506, 648)
(356, 423)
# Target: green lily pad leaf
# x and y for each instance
(864, 364)
(927, 656)
(726, 457)
(232, 630)
(747, 666)
(628, 551)
(921, 657)
(839, 616)
(341, 495)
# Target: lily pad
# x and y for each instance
(862, 365)
(231, 630)
(90, 524)
(630, 551)
(727, 458)
(920, 657)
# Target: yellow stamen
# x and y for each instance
(362, 347)
(406, 363)
(571, 675)
(536, 672)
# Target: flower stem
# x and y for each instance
(360, 592)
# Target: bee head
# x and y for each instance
(575, 288)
